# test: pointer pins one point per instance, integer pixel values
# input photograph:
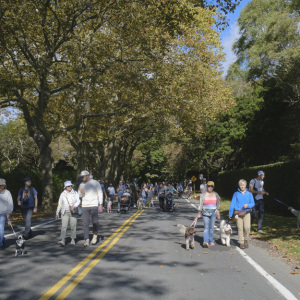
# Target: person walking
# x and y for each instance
(92, 201)
(27, 199)
(120, 190)
(209, 209)
(6, 208)
(68, 200)
(144, 194)
(151, 192)
(241, 203)
(203, 187)
(256, 187)
(111, 192)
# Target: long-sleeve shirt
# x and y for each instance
(92, 195)
(66, 200)
(239, 199)
(6, 202)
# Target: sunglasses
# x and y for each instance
(210, 186)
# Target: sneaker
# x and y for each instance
(260, 231)
(73, 242)
(212, 244)
(86, 243)
(62, 243)
(118, 211)
(134, 205)
(205, 245)
(94, 240)
(242, 246)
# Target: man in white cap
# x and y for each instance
(6, 207)
(256, 187)
(92, 201)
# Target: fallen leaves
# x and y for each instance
(294, 272)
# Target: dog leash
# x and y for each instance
(194, 222)
(9, 223)
(280, 201)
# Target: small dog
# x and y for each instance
(20, 246)
(109, 206)
(189, 234)
(140, 203)
(297, 214)
(226, 231)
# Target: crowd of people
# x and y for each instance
(92, 196)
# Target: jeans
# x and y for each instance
(259, 209)
(209, 223)
(144, 200)
(27, 215)
(2, 226)
(88, 212)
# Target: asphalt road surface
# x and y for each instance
(142, 255)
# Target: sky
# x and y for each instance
(230, 35)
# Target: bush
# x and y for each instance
(15, 180)
(281, 181)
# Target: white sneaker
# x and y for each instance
(86, 243)
(94, 240)
(62, 243)
(260, 231)
(73, 242)
(134, 205)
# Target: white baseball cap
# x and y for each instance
(84, 173)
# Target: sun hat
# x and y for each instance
(2, 181)
(260, 173)
(210, 183)
(68, 183)
(84, 173)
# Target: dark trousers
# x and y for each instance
(259, 209)
(27, 215)
(87, 213)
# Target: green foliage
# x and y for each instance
(281, 181)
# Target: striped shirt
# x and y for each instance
(210, 201)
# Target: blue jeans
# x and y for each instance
(144, 200)
(258, 208)
(2, 226)
(209, 223)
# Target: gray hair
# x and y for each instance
(242, 181)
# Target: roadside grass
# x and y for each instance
(281, 232)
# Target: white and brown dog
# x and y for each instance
(226, 231)
(297, 214)
(189, 234)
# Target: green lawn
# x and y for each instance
(281, 232)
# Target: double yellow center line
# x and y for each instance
(114, 238)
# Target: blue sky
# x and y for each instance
(230, 34)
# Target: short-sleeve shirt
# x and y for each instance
(27, 196)
(123, 188)
(258, 185)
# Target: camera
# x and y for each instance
(25, 202)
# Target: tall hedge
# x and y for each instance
(281, 181)
(15, 180)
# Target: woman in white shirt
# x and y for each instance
(68, 200)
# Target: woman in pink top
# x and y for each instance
(209, 209)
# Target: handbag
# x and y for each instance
(207, 212)
(76, 210)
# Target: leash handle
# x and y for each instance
(194, 222)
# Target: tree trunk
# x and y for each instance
(46, 169)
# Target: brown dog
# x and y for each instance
(189, 234)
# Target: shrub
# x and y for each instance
(281, 181)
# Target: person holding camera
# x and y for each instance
(67, 204)
(27, 199)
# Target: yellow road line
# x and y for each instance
(84, 272)
(69, 276)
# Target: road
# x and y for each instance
(141, 255)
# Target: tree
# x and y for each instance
(88, 55)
